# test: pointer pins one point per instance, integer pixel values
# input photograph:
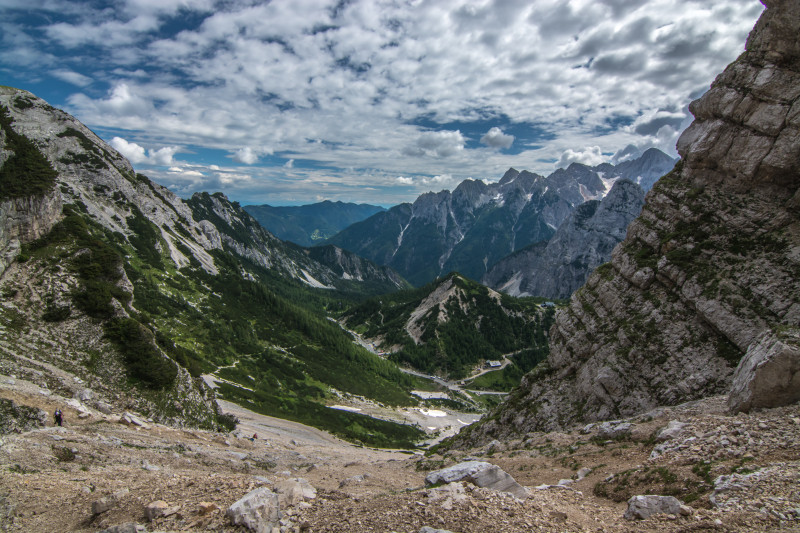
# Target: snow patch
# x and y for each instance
(432, 412)
(609, 182)
(345, 408)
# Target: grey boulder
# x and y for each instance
(481, 474)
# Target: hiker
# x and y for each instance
(57, 416)
(254, 437)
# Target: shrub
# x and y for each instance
(27, 172)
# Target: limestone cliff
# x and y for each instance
(710, 271)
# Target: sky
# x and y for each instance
(292, 102)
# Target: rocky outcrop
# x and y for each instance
(709, 269)
(23, 220)
(583, 242)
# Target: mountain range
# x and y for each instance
(557, 267)
(472, 228)
(311, 224)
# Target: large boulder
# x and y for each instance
(641, 507)
(481, 474)
(258, 510)
(767, 376)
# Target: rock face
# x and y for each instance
(709, 270)
(23, 220)
(583, 242)
(473, 227)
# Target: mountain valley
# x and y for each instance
(215, 377)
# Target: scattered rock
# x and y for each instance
(205, 508)
(258, 510)
(84, 395)
(293, 491)
(102, 505)
(103, 407)
(479, 473)
(671, 431)
(18, 418)
(158, 509)
(129, 419)
(614, 429)
(641, 507)
(128, 527)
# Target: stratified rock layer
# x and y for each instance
(711, 265)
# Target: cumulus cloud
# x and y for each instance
(249, 155)
(436, 144)
(625, 154)
(591, 156)
(132, 151)
(348, 87)
(495, 138)
(405, 181)
(136, 154)
(289, 164)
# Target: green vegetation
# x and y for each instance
(27, 172)
(469, 328)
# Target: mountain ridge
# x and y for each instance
(307, 225)
(477, 224)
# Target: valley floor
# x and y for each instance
(50, 477)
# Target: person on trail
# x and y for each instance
(57, 416)
(254, 437)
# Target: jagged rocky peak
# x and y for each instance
(510, 175)
(556, 268)
(703, 295)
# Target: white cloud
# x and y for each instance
(356, 86)
(591, 156)
(436, 144)
(75, 78)
(163, 156)
(246, 155)
(495, 138)
(405, 181)
(289, 164)
(136, 154)
(132, 151)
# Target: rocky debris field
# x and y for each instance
(118, 472)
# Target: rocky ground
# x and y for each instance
(739, 473)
